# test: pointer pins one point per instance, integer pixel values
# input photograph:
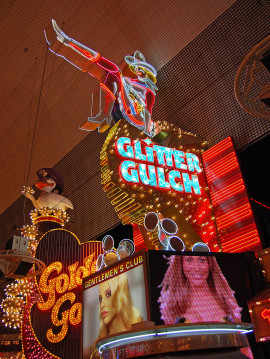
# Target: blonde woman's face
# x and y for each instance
(196, 270)
(107, 311)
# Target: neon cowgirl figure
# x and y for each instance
(119, 96)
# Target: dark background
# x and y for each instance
(254, 161)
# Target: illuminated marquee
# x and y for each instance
(259, 310)
(141, 175)
(62, 284)
(135, 261)
(128, 298)
(158, 166)
(52, 322)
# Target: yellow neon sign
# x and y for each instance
(62, 284)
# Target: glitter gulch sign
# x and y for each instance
(145, 163)
(141, 175)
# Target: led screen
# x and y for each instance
(194, 288)
(113, 299)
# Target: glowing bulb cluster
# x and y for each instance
(28, 189)
(29, 231)
(49, 214)
(14, 302)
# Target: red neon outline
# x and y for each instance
(224, 160)
(234, 217)
(228, 191)
(108, 90)
(85, 53)
(241, 231)
(221, 167)
(228, 206)
(241, 242)
(216, 150)
(242, 209)
(242, 246)
(235, 239)
(230, 217)
(48, 218)
(254, 200)
(231, 221)
(265, 314)
(221, 172)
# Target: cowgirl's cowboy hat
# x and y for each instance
(138, 60)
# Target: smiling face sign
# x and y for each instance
(54, 322)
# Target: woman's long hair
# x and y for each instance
(175, 296)
(122, 301)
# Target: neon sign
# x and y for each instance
(156, 166)
(135, 95)
(50, 284)
(266, 314)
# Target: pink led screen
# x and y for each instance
(190, 288)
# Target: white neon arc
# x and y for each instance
(243, 331)
(191, 331)
(125, 339)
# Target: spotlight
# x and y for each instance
(16, 261)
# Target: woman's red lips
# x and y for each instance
(104, 314)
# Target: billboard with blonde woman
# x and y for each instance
(114, 299)
(168, 288)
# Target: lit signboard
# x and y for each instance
(9, 345)
(178, 288)
(52, 327)
(194, 288)
(62, 284)
(190, 288)
(113, 300)
(141, 174)
(146, 163)
(260, 315)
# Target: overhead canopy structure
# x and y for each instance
(41, 125)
